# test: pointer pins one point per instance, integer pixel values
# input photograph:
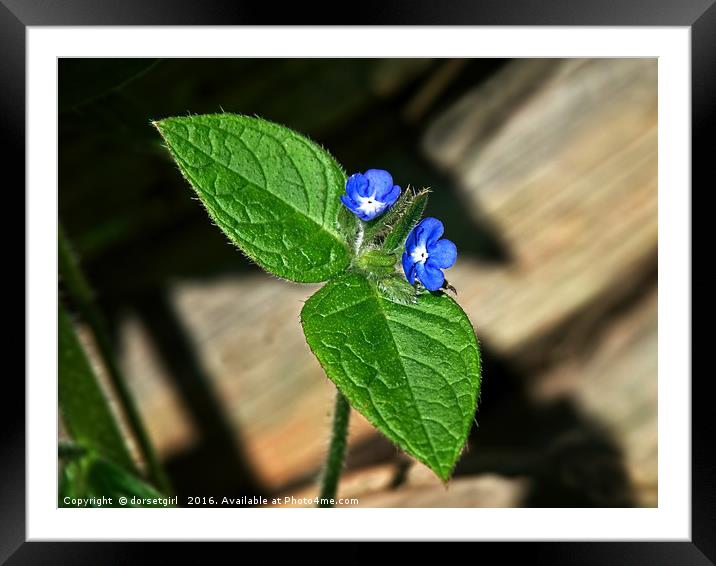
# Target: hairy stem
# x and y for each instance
(336, 451)
(359, 237)
(81, 294)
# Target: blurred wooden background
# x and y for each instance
(558, 158)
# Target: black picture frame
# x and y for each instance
(17, 15)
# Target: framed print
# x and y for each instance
(430, 274)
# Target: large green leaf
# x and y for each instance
(413, 370)
(275, 193)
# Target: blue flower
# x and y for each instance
(370, 194)
(426, 255)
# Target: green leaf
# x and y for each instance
(395, 288)
(84, 408)
(413, 370)
(273, 192)
(348, 225)
(70, 482)
(94, 478)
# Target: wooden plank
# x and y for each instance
(487, 490)
(616, 385)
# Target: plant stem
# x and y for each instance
(79, 290)
(336, 451)
(359, 237)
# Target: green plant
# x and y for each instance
(85, 411)
(401, 352)
(79, 291)
(97, 468)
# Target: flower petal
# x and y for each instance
(442, 254)
(409, 268)
(381, 183)
(358, 186)
(429, 231)
(390, 198)
(412, 240)
(432, 278)
(352, 206)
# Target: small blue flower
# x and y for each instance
(426, 255)
(370, 194)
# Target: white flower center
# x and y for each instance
(420, 254)
(369, 205)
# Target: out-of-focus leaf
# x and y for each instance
(84, 408)
(96, 482)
